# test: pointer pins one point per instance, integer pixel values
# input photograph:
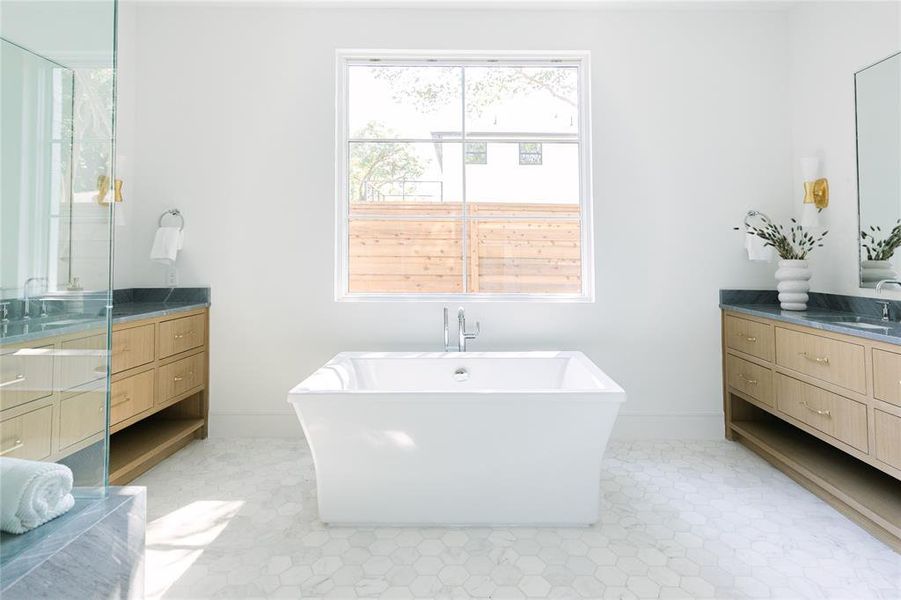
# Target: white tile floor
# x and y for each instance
(238, 519)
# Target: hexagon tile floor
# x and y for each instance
(238, 519)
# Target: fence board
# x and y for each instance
(419, 255)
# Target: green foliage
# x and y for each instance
(381, 162)
(431, 88)
(794, 245)
(881, 249)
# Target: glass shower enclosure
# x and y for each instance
(57, 189)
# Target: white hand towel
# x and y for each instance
(757, 249)
(166, 244)
(32, 493)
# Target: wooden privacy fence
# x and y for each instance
(418, 247)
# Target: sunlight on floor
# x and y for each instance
(176, 540)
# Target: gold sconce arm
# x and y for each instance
(102, 188)
(817, 193)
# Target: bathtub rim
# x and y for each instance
(610, 392)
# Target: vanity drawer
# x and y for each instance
(82, 361)
(841, 363)
(887, 376)
(80, 417)
(836, 416)
(182, 375)
(182, 334)
(131, 396)
(888, 438)
(28, 435)
(132, 347)
(753, 380)
(26, 374)
(750, 337)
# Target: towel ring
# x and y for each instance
(175, 213)
(754, 213)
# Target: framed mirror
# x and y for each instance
(877, 91)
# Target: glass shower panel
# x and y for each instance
(57, 125)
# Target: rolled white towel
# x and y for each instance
(32, 493)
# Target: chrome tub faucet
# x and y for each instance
(462, 335)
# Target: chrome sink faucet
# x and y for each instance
(462, 334)
(886, 315)
(26, 298)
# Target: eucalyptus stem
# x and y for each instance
(877, 247)
(795, 244)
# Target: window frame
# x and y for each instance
(345, 58)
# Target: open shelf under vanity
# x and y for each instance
(862, 493)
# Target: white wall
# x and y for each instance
(235, 125)
(829, 43)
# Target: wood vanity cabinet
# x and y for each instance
(823, 407)
(158, 392)
(53, 399)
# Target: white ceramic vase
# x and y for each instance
(874, 271)
(793, 283)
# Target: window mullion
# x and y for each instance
(464, 208)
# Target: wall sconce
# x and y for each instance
(816, 192)
(103, 188)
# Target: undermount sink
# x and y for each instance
(861, 325)
(66, 322)
(856, 322)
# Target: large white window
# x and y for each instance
(463, 176)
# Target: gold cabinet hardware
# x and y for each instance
(179, 336)
(15, 446)
(748, 338)
(178, 378)
(18, 379)
(117, 193)
(823, 360)
(747, 379)
(824, 413)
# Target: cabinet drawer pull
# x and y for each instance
(179, 336)
(748, 338)
(16, 446)
(124, 399)
(823, 360)
(177, 378)
(747, 379)
(19, 379)
(823, 413)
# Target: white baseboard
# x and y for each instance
(669, 426)
(634, 426)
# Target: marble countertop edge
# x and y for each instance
(809, 319)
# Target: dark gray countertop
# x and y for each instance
(849, 315)
(128, 305)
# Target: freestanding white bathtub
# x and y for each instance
(474, 438)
